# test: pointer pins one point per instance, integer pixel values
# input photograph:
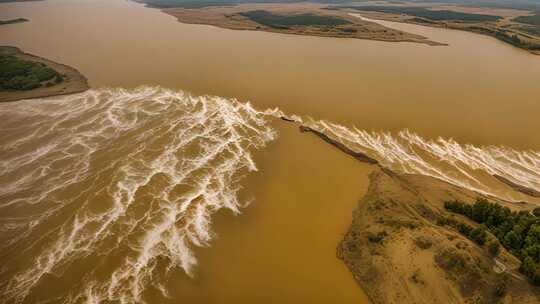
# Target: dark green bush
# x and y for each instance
(21, 75)
(494, 248)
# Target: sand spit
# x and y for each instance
(74, 81)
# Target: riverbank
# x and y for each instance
(298, 19)
(73, 81)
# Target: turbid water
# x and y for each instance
(116, 194)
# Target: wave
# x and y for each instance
(119, 186)
(144, 168)
(468, 166)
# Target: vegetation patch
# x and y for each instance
(518, 232)
(532, 20)
(377, 237)
(423, 242)
(21, 75)
(461, 269)
(420, 12)
(12, 21)
(279, 21)
(532, 24)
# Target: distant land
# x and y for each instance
(293, 18)
(514, 22)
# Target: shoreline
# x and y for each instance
(74, 81)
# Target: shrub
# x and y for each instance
(494, 248)
(18, 74)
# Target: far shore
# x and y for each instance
(230, 17)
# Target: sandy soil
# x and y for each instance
(417, 261)
(229, 17)
(74, 82)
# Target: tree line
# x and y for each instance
(518, 232)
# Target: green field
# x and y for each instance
(533, 23)
(518, 232)
(21, 75)
(285, 21)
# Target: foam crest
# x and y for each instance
(107, 171)
(464, 165)
(116, 188)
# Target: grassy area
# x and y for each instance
(285, 21)
(11, 21)
(193, 4)
(21, 75)
(518, 232)
(420, 12)
(514, 40)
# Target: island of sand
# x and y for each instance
(296, 18)
(515, 24)
(57, 79)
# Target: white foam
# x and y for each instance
(115, 143)
(466, 165)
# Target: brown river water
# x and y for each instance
(131, 192)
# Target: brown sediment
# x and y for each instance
(74, 81)
(525, 190)
(230, 17)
